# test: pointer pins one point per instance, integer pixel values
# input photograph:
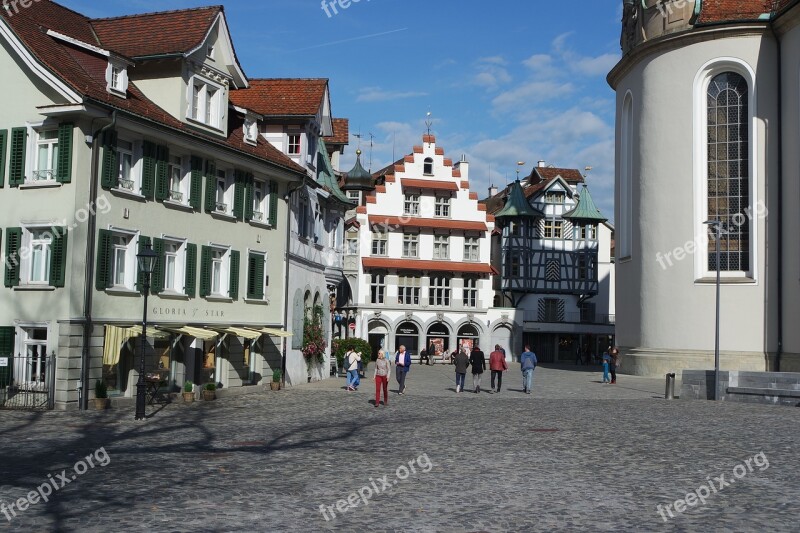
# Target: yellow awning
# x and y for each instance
(240, 332)
(275, 332)
(117, 336)
(197, 333)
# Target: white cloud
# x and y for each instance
(530, 94)
(491, 72)
(376, 94)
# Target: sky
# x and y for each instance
(504, 81)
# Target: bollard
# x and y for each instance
(669, 392)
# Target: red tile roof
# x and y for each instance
(84, 72)
(435, 185)
(162, 33)
(731, 10)
(539, 179)
(434, 266)
(427, 223)
(282, 97)
(341, 132)
(570, 175)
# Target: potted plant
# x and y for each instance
(276, 380)
(209, 391)
(188, 392)
(100, 395)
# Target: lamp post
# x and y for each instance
(147, 262)
(717, 225)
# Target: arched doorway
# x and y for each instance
(439, 336)
(468, 335)
(407, 334)
(377, 338)
(502, 336)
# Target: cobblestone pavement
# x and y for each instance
(576, 455)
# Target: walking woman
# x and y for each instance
(381, 377)
(462, 362)
(614, 352)
(403, 362)
(478, 363)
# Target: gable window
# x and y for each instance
(470, 292)
(117, 78)
(377, 288)
(206, 103)
(441, 247)
(250, 130)
(555, 197)
(411, 204)
(471, 249)
(728, 182)
(294, 144)
(442, 206)
(46, 155)
(408, 290)
(440, 291)
(427, 167)
(410, 245)
(553, 229)
(379, 242)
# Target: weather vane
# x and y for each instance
(428, 122)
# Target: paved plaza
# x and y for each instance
(576, 455)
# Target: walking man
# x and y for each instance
(478, 362)
(528, 364)
(498, 365)
(403, 362)
(461, 361)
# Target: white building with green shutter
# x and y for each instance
(111, 141)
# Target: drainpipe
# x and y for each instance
(89, 270)
(779, 351)
(288, 199)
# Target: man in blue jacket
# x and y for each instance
(403, 362)
(527, 362)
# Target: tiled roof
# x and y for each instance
(427, 223)
(282, 97)
(436, 185)
(434, 266)
(341, 132)
(84, 72)
(539, 174)
(150, 34)
(539, 179)
(731, 10)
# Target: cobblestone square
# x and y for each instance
(574, 455)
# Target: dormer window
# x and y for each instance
(210, 51)
(117, 79)
(555, 197)
(250, 130)
(205, 105)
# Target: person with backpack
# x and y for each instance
(402, 361)
(478, 363)
(381, 377)
(527, 362)
(351, 360)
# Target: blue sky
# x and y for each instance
(504, 81)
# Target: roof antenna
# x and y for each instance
(371, 137)
(358, 136)
(520, 164)
(428, 122)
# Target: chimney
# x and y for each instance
(492, 191)
(463, 166)
(542, 163)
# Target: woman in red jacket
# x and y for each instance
(498, 365)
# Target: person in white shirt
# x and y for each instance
(351, 359)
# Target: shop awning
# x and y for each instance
(240, 332)
(275, 332)
(117, 336)
(197, 333)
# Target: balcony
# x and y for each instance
(571, 318)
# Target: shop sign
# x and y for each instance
(439, 332)
(407, 331)
(467, 332)
(3, 361)
(186, 312)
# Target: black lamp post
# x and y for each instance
(717, 225)
(147, 262)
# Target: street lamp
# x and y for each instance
(718, 235)
(147, 263)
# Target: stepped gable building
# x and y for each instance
(420, 244)
(708, 124)
(552, 249)
(121, 133)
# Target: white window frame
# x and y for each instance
(354, 196)
(221, 255)
(411, 204)
(260, 207)
(130, 258)
(442, 206)
(411, 241)
(440, 291)
(132, 183)
(202, 109)
(472, 249)
(180, 264)
(553, 229)
(181, 164)
(226, 177)
(377, 288)
(27, 252)
(701, 83)
(35, 133)
(380, 242)
(408, 289)
(117, 78)
(441, 247)
(294, 149)
(555, 197)
(250, 129)
(470, 298)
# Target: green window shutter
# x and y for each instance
(211, 186)
(255, 277)
(238, 195)
(148, 169)
(13, 244)
(234, 282)
(109, 173)
(64, 163)
(104, 260)
(248, 197)
(143, 242)
(162, 173)
(159, 272)
(273, 204)
(7, 334)
(16, 161)
(3, 146)
(196, 193)
(58, 257)
(205, 271)
(190, 286)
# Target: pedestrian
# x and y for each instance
(403, 362)
(351, 359)
(461, 360)
(578, 356)
(615, 362)
(381, 377)
(453, 355)
(498, 365)
(527, 362)
(606, 379)
(478, 362)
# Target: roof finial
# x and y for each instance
(428, 122)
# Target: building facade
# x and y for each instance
(113, 140)
(707, 125)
